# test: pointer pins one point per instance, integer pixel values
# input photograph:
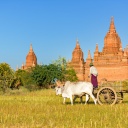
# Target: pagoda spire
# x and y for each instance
(112, 26)
(89, 55)
(77, 43)
(96, 53)
(97, 49)
(89, 58)
(31, 49)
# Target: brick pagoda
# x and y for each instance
(111, 62)
(31, 59)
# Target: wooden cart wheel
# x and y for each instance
(106, 95)
(119, 97)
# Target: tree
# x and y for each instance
(60, 62)
(45, 74)
(71, 75)
(6, 76)
(67, 71)
(25, 78)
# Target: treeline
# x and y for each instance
(38, 77)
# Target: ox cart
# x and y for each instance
(111, 92)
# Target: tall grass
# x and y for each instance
(43, 109)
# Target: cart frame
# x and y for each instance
(110, 93)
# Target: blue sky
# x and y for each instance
(52, 27)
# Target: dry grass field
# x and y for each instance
(43, 109)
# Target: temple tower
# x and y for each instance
(111, 62)
(77, 55)
(77, 61)
(31, 60)
(112, 52)
(112, 42)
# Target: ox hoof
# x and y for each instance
(95, 101)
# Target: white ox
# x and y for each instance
(78, 89)
(59, 90)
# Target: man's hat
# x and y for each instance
(91, 64)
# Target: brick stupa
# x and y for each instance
(31, 59)
(111, 63)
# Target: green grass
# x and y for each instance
(43, 109)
